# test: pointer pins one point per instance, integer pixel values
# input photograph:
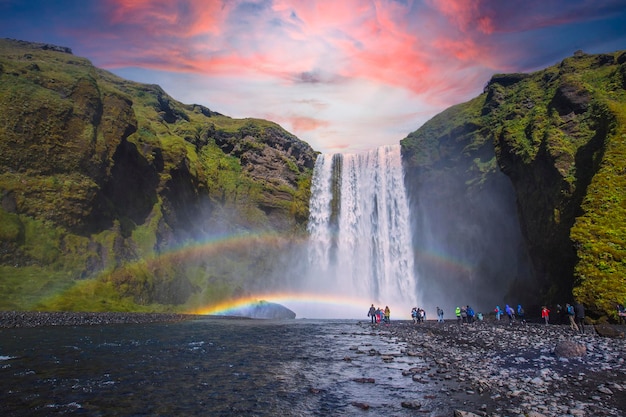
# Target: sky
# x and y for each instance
(342, 75)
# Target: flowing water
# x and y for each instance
(205, 367)
(360, 235)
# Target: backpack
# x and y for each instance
(570, 310)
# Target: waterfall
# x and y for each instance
(360, 237)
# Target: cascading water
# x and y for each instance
(360, 237)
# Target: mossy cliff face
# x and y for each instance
(559, 136)
(101, 177)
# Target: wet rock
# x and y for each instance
(364, 380)
(605, 390)
(569, 349)
(606, 330)
(413, 405)
(459, 413)
(362, 406)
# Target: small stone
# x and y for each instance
(413, 405)
(460, 413)
(362, 406)
(364, 380)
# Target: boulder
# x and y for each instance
(606, 330)
(569, 349)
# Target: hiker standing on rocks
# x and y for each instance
(545, 314)
(570, 316)
(498, 312)
(387, 314)
(439, 315)
(372, 313)
(579, 309)
(509, 312)
(520, 313)
(470, 314)
(457, 311)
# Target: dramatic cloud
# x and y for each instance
(342, 75)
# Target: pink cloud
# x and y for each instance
(388, 42)
(306, 124)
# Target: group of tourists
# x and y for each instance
(575, 314)
(378, 315)
(466, 314)
(511, 313)
(418, 315)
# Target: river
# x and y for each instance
(207, 367)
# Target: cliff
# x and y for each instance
(549, 146)
(103, 180)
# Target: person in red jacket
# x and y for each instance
(545, 314)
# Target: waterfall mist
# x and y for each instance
(468, 243)
(360, 244)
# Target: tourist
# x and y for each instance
(579, 309)
(414, 315)
(545, 314)
(621, 314)
(520, 313)
(569, 309)
(379, 315)
(509, 312)
(470, 314)
(464, 314)
(457, 311)
(372, 313)
(422, 315)
(560, 314)
(387, 314)
(439, 315)
(498, 312)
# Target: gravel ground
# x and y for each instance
(15, 319)
(521, 369)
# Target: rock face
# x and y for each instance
(100, 174)
(557, 135)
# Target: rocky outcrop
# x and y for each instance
(557, 135)
(98, 173)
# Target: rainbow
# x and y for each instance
(444, 261)
(305, 305)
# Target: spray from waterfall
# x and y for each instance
(360, 237)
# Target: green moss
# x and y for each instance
(24, 287)
(11, 228)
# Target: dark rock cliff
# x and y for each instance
(557, 135)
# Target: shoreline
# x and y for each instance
(31, 319)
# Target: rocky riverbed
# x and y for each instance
(518, 370)
(15, 319)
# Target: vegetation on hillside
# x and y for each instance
(101, 178)
(560, 136)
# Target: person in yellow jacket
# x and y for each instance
(458, 315)
(387, 314)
